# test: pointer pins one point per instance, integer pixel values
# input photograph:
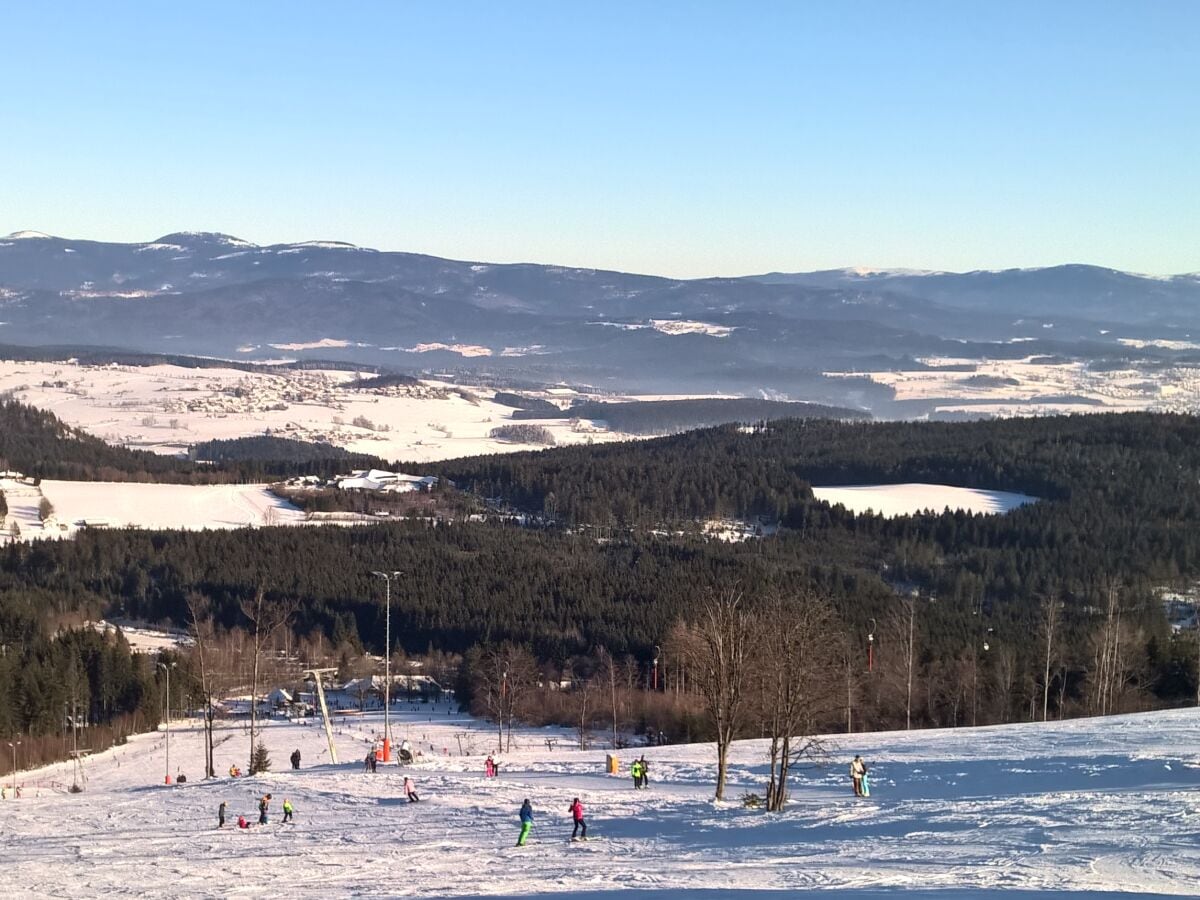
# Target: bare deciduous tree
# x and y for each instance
(899, 650)
(266, 618)
(798, 663)
(1051, 614)
(718, 649)
(204, 638)
(610, 676)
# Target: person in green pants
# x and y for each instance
(526, 822)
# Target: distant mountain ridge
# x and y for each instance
(773, 336)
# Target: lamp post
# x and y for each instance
(387, 662)
(167, 667)
(14, 744)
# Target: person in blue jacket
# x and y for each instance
(526, 822)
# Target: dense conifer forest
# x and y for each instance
(617, 559)
(38, 444)
(648, 417)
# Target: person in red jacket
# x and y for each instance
(580, 828)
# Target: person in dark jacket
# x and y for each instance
(526, 822)
(263, 806)
(580, 829)
(296, 758)
(221, 815)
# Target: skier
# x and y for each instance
(234, 771)
(369, 762)
(242, 823)
(406, 754)
(296, 758)
(576, 810)
(526, 822)
(263, 805)
(857, 770)
(410, 790)
(635, 770)
(644, 767)
(288, 809)
(489, 767)
(221, 815)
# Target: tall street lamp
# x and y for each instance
(387, 663)
(167, 667)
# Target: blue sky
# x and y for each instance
(678, 138)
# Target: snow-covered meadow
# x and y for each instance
(80, 504)
(912, 499)
(1092, 807)
(166, 408)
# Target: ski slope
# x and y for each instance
(1090, 808)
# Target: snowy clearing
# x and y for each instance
(910, 499)
(83, 504)
(1093, 807)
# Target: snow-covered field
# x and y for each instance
(1091, 808)
(911, 499)
(1035, 386)
(166, 408)
(80, 504)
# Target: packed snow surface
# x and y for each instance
(1093, 808)
(911, 499)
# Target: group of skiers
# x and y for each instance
(638, 770)
(578, 832)
(858, 775)
(264, 807)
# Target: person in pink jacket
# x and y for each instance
(580, 828)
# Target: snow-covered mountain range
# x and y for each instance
(215, 294)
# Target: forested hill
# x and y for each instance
(38, 443)
(671, 416)
(1135, 460)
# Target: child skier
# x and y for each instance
(221, 815)
(635, 770)
(410, 790)
(576, 809)
(489, 767)
(288, 809)
(526, 822)
(242, 823)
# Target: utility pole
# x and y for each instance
(167, 667)
(14, 744)
(387, 663)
